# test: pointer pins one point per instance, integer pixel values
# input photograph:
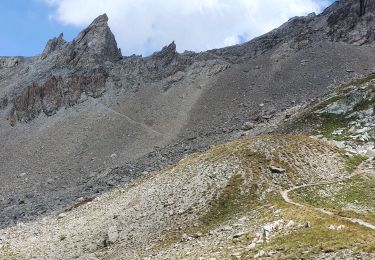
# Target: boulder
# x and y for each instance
(345, 104)
(275, 169)
(248, 126)
(112, 235)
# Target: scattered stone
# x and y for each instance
(185, 238)
(277, 169)
(22, 174)
(288, 115)
(243, 219)
(266, 231)
(238, 235)
(267, 117)
(339, 144)
(307, 225)
(112, 236)
(237, 255)
(338, 132)
(290, 224)
(226, 228)
(251, 246)
(261, 253)
(61, 215)
(197, 235)
(248, 126)
(336, 227)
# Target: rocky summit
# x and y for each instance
(259, 150)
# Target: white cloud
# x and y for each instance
(145, 26)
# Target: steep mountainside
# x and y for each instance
(230, 202)
(225, 196)
(80, 119)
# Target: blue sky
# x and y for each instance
(26, 27)
(145, 26)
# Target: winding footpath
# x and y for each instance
(360, 169)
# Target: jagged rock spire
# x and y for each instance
(95, 44)
(53, 45)
(166, 55)
(98, 40)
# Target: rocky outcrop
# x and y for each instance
(351, 21)
(345, 104)
(71, 69)
(97, 42)
(165, 63)
(56, 92)
(9, 62)
(94, 45)
(166, 56)
(52, 45)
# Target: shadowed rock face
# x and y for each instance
(352, 21)
(150, 112)
(55, 93)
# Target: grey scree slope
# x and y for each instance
(80, 118)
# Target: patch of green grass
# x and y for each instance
(358, 192)
(330, 123)
(362, 81)
(311, 121)
(233, 199)
(305, 243)
(352, 162)
(241, 197)
(325, 124)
